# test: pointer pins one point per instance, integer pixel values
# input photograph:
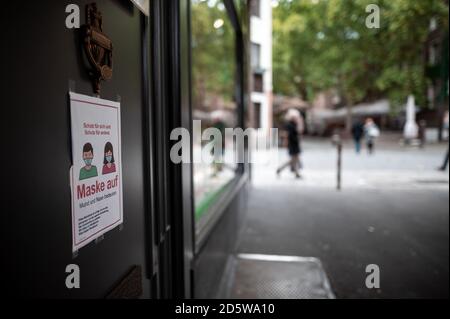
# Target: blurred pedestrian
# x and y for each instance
(294, 128)
(444, 166)
(371, 132)
(358, 133)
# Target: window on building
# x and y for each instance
(256, 56)
(255, 8)
(258, 82)
(214, 85)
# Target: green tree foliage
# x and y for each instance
(213, 52)
(324, 44)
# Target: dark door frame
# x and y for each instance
(171, 186)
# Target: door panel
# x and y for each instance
(43, 56)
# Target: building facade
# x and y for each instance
(261, 61)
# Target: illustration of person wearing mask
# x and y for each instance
(109, 165)
(89, 170)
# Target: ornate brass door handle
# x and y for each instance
(98, 47)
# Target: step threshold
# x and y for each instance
(259, 276)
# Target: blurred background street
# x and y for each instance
(392, 211)
(391, 167)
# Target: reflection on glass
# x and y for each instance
(213, 75)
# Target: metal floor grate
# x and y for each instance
(278, 277)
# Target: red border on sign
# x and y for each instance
(120, 188)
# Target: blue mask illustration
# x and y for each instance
(108, 158)
(88, 161)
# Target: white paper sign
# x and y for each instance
(143, 5)
(96, 174)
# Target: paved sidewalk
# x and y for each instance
(391, 167)
(393, 211)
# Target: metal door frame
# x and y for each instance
(171, 186)
(172, 241)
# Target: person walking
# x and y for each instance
(445, 125)
(358, 133)
(444, 166)
(371, 132)
(294, 128)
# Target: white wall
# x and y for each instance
(261, 33)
